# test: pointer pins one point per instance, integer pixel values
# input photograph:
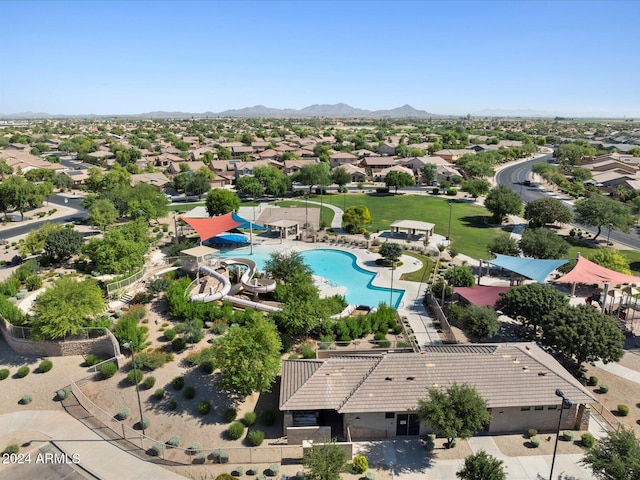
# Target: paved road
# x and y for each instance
(76, 213)
(513, 177)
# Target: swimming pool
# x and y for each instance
(337, 266)
(227, 238)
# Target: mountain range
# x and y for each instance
(339, 110)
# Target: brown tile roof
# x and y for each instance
(505, 375)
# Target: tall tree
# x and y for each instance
(476, 187)
(457, 412)
(66, 307)
(325, 462)
(248, 357)
(582, 333)
(480, 322)
(504, 244)
(274, 181)
(102, 213)
(611, 259)
(197, 184)
(615, 457)
(546, 210)
(356, 217)
(429, 173)
(600, 211)
(542, 243)
(250, 186)
(221, 201)
(398, 179)
(529, 301)
(314, 174)
(460, 276)
(63, 244)
(502, 201)
(340, 176)
(482, 466)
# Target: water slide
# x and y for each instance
(247, 282)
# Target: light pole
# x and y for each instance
(449, 231)
(609, 233)
(566, 403)
(129, 346)
(391, 289)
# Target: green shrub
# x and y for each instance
(268, 418)
(235, 430)
(273, 470)
(623, 410)
(360, 464)
(172, 405)
(532, 432)
(92, 360)
(587, 440)
(177, 383)
(224, 476)
(174, 441)
(604, 388)
(249, 418)
(62, 393)
(135, 376)
(379, 336)
(157, 449)
(108, 370)
(11, 449)
(149, 382)
(535, 441)
(307, 350)
(33, 282)
(23, 371)
(255, 437)
(219, 327)
(152, 359)
(189, 392)
(230, 414)
(180, 328)
(567, 435)
(593, 381)
(159, 394)
(207, 367)
(397, 329)
(195, 447)
(178, 344)
(26, 399)
(4, 373)
(204, 407)
(169, 334)
(238, 472)
(123, 414)
(146, 422)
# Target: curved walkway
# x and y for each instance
(336, 223)
(96, 455)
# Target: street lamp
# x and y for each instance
(609, 233)
(566, 403)
(129, 346)
(449, 231)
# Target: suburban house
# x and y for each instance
(358, 174)
(451, 155)
(376, 395)
(338, 159)
(194, 142)
(192, 166)
(157, 179)
(246, 168)
(378, 177)
(377, 164)
(387, 149)
(269, 154)
(417, 163)
(292, 167)
(164, 159)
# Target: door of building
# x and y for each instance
(407, 424)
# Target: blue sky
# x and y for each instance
(455, 57)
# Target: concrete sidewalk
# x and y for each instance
(95, 455)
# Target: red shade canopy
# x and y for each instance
(210, 227)
(588, 272)
(481, 295)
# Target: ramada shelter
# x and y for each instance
(376, 396)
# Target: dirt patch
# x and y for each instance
(519, 445)
(441, 452)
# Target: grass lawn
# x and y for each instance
(421, 275)
(469, 233)
(185, 207)
(326, 214)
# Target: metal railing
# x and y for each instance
(114, 287)
(447, 332)
(608, 417)
(85, 333)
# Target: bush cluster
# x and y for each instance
(152, 359)
(360, 464)
(604, 388)
(4, 373)
(146, 422)
(230, 414)
(587, 440)
(26, 399)
(135, 376)
(177, 383)
(108, 370)
(178, 344)
(204, 407)
(149, 382)
(623, 410)
(347, 329)
(567, 435)
(235, 430)
(535, 441)
(123, 414)
(62, 393)
(255, 437)
(92, 360)
(11, 449)
(189, 392)
(172, 405)
(174, 441)
(169, 334)
(23, 371)
(249, 418)
(159, 394)
(593, 381)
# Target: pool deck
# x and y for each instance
(411, 305)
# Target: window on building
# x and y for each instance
(390, 415)
(540, 407)
(552, 407)
(525, 409)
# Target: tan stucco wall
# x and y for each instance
(373, 425)
(514, 420)
(296, 435)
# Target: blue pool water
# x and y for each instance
(227, 238)
(338, 267)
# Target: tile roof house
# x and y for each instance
(376, 395)
(292, 167)
(157, 179)
(451, 155)
(375, 164)
(358, 174)
(338, 159)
